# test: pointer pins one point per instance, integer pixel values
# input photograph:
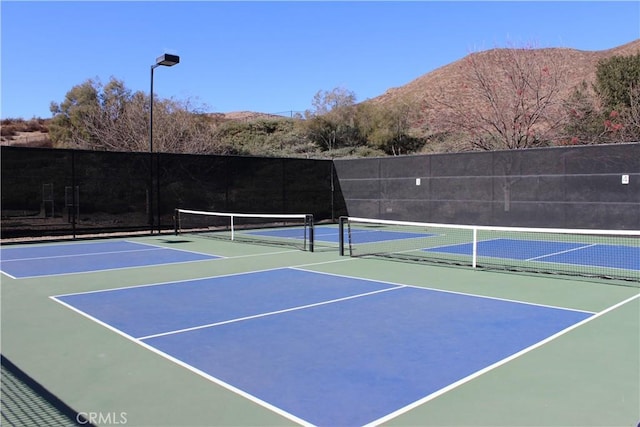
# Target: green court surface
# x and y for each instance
(587, 375)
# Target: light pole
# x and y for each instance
(168, 61)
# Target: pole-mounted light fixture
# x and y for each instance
(166, 60)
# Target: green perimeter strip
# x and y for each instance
(588, 377)
(27, 403)
(96, 370)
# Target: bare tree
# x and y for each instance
(631, 116)
(326, 101)
(510, 98)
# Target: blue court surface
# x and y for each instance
(48, 260)
(324, 349)
(597, 255)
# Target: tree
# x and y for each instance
(584, 119)
(322, 131)
(388, 127)
(112, 117)
(326, 101)
(615, 78)
(618, 87)
(510, 98)
(67, 127)
(97, 116)
(609, 110)
(332, 123)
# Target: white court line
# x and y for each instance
(226, 257)
(193, 369)
(170, 248)
(202, 278)
(170, 282)
(149, 247)
(425, 288)
(271, 313)
(452, 245)
(106, 270)
(302, 307)
(496, 365)
(561, 252)
(8, 275)
(86, 254)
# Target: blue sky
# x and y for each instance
(274, 57)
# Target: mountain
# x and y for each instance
(450, 80)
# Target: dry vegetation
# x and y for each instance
(26, 133)
(431, 93)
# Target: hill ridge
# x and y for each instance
(448, 80)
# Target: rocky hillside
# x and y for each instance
(450, 80)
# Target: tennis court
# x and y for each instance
(611, 256)
(49, 260)
(185, 330)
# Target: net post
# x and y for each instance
(232, 230)
(176, 221)
(311, 232)
(474, 254)
(341, 222)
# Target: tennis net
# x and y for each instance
(294, 230)
(594, 253)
